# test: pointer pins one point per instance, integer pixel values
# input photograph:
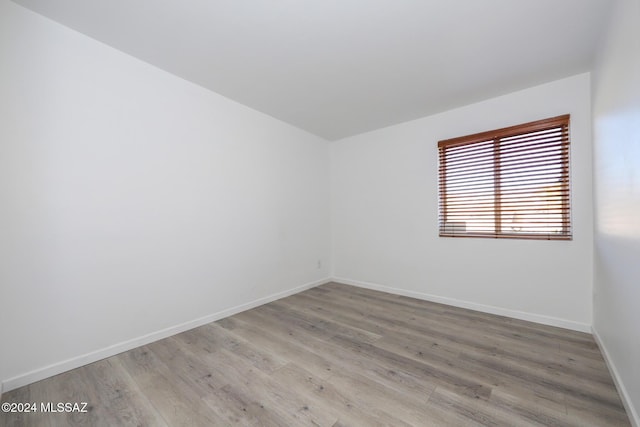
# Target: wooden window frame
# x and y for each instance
(482, 141)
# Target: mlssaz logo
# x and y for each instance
(63, 407)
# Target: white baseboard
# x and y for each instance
(622, 391)
(76, 362)
(531, 317)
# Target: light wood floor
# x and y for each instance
(338, 355)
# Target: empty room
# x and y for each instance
(320, 213)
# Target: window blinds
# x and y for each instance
(507, 183)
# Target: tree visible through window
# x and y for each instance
(507, 183)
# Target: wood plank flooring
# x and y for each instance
(337, 355)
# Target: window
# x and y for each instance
(507, 183)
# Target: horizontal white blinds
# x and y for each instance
(512, 182)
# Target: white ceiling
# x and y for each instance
(341, 67)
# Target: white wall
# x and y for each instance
(385, 208)
(133, 201)
(616, 120)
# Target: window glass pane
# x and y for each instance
(470, 194)
(531, 188)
